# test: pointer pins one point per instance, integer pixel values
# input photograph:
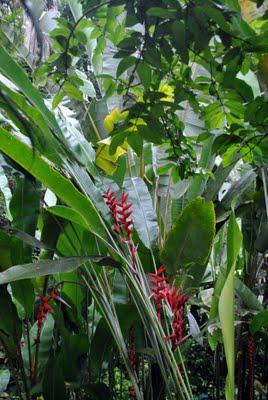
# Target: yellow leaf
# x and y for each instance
(112, 118)
(168, 91)
(106, 161)
(108, 123)
(124, 115)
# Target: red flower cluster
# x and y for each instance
(43, 309)
(159, 290)
(174, 298)
(123, 224)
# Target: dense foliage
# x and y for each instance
(134, 200)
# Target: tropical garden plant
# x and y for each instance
(134, 200)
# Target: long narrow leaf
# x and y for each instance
(41, 268)
(62, 187)
(226, 305)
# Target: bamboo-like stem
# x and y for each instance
(114, 326)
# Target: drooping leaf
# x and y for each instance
(41, 268)
(14, 72)
(68, 214)
(23, 155)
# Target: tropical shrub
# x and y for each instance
(134, 200)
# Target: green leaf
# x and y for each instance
(213, 186)
(179, 38)
(62, 187)
(214, 115)
(24, 208)
(161, 12)
(33, 122)
(73, 91)
(226, 305)
(8, 247)
(46, 341)
(249, 298)
(23, 292)
(258, 322)
(144, 216)
(234, 240)
(77, 345)
(68, 214)
(206, 161)
(101, 347)
(124, 64)
(194, 276)
(41, 268)
(10, 325)
(15, 73)
(226, 314)
(150, 134)
(57, 99)
(53, 381)
(145, 74)
(135, 141)
(191, 236)
(216, 16)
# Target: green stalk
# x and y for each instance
(114, 326)
(169, 356)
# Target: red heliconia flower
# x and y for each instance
(174, 298)
(43, 309)
(159, 290)
(121, 212)
(111, 202)
(122, 222)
